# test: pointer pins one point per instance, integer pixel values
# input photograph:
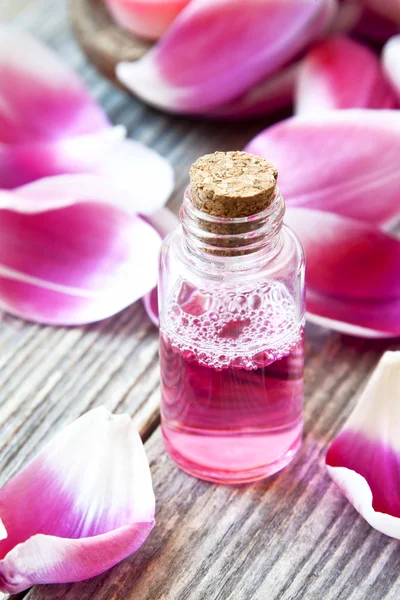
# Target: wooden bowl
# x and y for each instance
(102, 40)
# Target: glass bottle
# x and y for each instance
(231, 298)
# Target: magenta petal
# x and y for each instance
(345, 162)
(329, 78)
(68, 519)
(40, 98)
(24, 163)
(163, 222)
(391, 62)
(68, 255)
(364, 459)
(389, 9)
(275, 93)
(147, 18)
(232, 46)
(374, 27)
(352, 272)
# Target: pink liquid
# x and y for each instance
(231, 402)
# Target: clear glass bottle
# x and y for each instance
(231, 299)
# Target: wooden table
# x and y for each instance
(291, 537)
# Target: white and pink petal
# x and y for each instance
(353, 282)
(41, 99)
(391, 62)
(69, 254)
(329, 78)
(68, 519)
(163, 221)
(345, 162)
(364, 459)
(232, 47)
(26, 162)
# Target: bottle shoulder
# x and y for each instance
(289, 258)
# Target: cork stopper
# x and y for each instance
(232, 184)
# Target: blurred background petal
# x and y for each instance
(391, 62)
(232, 47)
(146, 18)
(41, 99)
(330, 78)
(346, 162)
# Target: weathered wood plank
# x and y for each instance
(291, 537)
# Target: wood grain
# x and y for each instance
(291, 537)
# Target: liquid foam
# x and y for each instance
(234, 329)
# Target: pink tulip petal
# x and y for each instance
(231, 46)
(82, 505)
(347, 17)
(142, 177)
(345, 162)
(364, 459)
(390, 9)
(391, 62)
(71, 256)
(40, 98)
(26, 162)
(352, 271)
(146, 18)
(329, 78)
(275, 93)
(374, 27)
(150, 302)
(163, 222)
(145, 178)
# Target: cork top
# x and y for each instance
(232, 184)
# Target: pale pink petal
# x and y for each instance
(144, 177)
(391, 62)
(352, 272)
(82, 505)
(217, 50)
(163, 222)
(329, 78)
(275, 93)
(69, 254)
(26, 162)
(146, 18)
(346, 162)
(40, 98)
(364, 459)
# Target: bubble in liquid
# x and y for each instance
(175, 309)
(259, 320)
(255, 301)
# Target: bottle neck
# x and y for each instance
(248, 238)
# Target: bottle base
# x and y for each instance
(232, 476)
